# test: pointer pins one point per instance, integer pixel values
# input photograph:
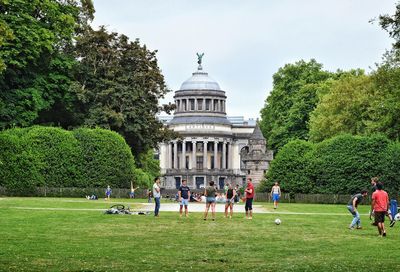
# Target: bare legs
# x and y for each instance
(212, 204)
(186, 210)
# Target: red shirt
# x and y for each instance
(250, 187)
(381, 200)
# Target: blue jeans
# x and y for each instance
(157, 209)
(356, 217)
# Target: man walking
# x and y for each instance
(380, 206)
(184, 196)
(249, 192)
(352, 207)
(156, 195)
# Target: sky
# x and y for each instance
(246, 42)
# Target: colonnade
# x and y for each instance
(200, 154)
(200, 104)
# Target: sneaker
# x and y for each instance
(392, 223)
(359, 227)
(384, 234)
(351, 228)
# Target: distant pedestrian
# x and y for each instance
(380, 206)
(209, 193)
(249, 195)
(156, 195)
(149, 195)
(184, 196)
(237, 197)
(352, 207)
(132, 193)
(230, 200)
(276, 194)
(108, 192)
(374, 182)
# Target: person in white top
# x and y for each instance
(156, 195)
(276, 194)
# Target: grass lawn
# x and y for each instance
(88, 240)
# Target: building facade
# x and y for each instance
(212, 146)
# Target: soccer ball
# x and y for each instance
(397, 217)
(277, 221)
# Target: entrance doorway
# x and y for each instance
(221, 182)
(199, 182)
(177, 182)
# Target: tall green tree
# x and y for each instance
(118, 87)
(344, 109)
(294, 95)
(34, 56)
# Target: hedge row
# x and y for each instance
(53, 157)
(340, 165)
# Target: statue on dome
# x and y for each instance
(199, 57)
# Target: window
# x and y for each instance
(199, 162)
(191, 101)
(208, 102)
(200, 104)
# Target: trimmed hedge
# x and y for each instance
(53, 157)
(341, 165)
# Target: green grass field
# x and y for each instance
(88, 240)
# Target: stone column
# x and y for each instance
(204, 104)
(175, 155)
(183, 158)
(223, 166)
(215, 153)
(205, 154)
(230, 155)
(169, 155)
(195, 104)
(193, 154)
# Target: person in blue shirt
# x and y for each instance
(183, 198)
(108, 192)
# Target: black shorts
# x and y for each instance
(379, 217)
(249, 204)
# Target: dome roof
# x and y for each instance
(200, 81)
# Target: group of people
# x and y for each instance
(380, 207)
(210, 194)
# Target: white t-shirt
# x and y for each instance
(155, 193)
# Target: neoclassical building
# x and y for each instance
(212, 146)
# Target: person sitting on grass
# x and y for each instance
(352, 207)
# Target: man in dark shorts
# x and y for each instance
(249, 191)
(380, 206)
(184, 196)
(352, 207)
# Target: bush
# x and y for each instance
(53, 157)
(341, 165)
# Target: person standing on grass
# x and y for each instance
(249, 195)
(374, 182)
(230, 200)
(184, 196)
(156, 195)
(380, 206)
(352, 207)
(108, 192)
(276, 194)
(209, 193)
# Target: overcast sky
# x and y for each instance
(246, 42)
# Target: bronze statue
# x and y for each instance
(199, 57)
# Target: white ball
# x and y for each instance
(277, 221)
(397, 217)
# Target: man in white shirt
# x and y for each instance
(156, 195)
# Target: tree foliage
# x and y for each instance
(344, 109)
(34, 55)
(294, 96)
(118, 87)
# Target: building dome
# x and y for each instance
(200, 81)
